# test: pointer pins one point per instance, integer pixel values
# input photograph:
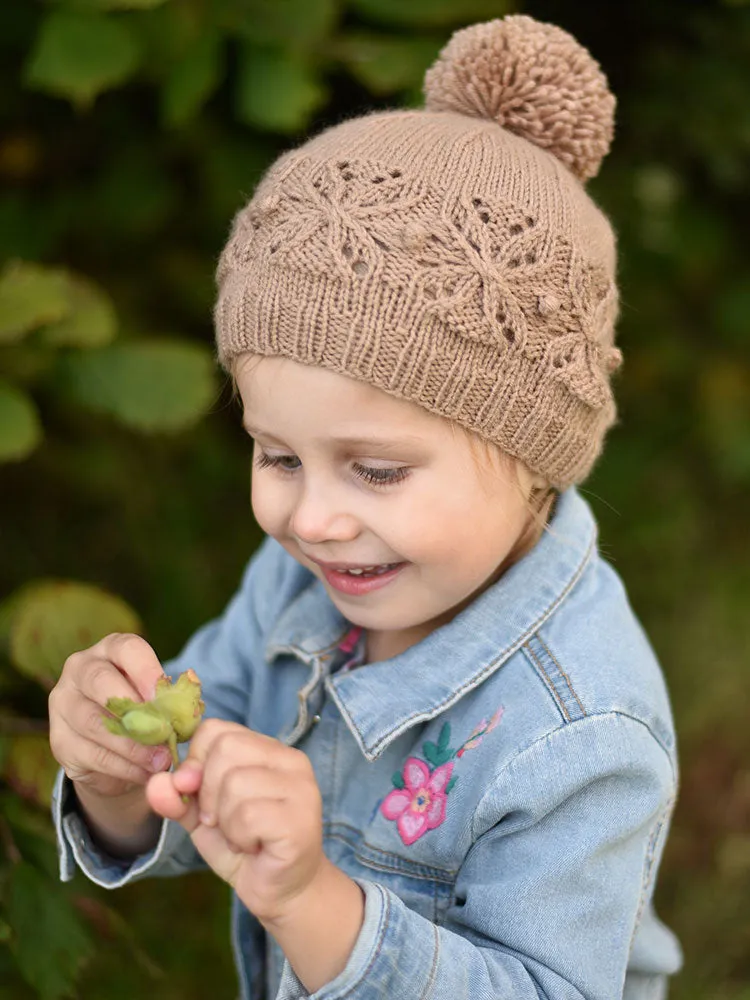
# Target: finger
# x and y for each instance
(206, 735)
(95, 678)
(134, 658)
(220, 746)
(86, 718)
(238, 784)
(88, 758)
(188, 777)
(254, 825)
(165, 798)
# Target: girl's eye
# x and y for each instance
(380, 477)
(264, 461)
(375, 477)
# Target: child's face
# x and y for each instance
(406, 491)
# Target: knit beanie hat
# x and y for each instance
(450, 255)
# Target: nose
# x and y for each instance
(318, 516)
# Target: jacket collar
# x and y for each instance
(380, 701)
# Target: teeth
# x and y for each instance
(370, 569)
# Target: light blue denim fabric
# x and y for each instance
(536, 879)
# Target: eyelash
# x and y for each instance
(374, 477)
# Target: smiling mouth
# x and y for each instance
(369, 570)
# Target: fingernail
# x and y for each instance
(160, 758)
(207, 820)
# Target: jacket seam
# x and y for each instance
(432, 873)
(650, 858)
(559, 667)
(433, 968)
(547, 681)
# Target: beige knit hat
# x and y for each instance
(450, 256)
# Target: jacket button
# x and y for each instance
(315, 720)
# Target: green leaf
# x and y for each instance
(91, 321)
(277, 90)
(385, 64)
(54, 618)
(30, 295)
(432, 13)
(20, 427)
(41, 916)
(192, 79)
(8, 609)
(445, 736)
(30, 768)
(398, 780)
(77, 55)
(450, 784)
(160, 385)
(289, 23)
(431, 752)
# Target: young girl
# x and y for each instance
(438, 759)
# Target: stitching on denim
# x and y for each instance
(402, 866)
(648, 862)
(382, 930)
(433, 968)
(547, 680)
(302, 654)
(557, 664)
(476, 680)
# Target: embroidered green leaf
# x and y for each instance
(397, 780)
(450, 784)
(441, 752)
(445, 736)
(437, 755)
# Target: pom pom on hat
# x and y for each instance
(534, 80)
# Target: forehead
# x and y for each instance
(281, 390)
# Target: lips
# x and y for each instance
(369, 570)
(356, 584)
(347, 567)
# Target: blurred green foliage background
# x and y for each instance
(130, 131)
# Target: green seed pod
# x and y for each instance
(141, 721)
(181, 703)
(170, 718)
(146, 726)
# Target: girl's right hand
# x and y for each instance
(120, 665)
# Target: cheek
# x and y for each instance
(268, 506)
(473, 534)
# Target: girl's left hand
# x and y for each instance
(254, 814)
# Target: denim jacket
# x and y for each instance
(501, 791)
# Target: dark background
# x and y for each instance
(130, 131)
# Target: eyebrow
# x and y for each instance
(351, 442)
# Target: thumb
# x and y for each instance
(165, 791)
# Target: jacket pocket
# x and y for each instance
(423, 888)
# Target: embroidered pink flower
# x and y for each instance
(420, 805)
